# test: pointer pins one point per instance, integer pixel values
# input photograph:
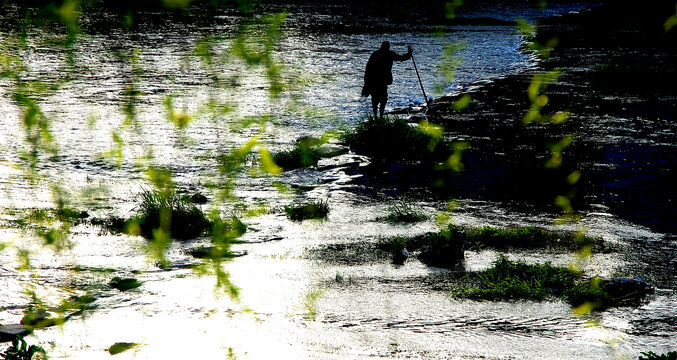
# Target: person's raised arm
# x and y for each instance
(403, 57)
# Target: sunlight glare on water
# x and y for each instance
(295, 302)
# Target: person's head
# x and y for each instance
(385, 45)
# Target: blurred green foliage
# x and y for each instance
(670, 22)
(120, 347)
(19, 350)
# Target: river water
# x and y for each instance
(294, 303)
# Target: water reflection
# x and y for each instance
(361, 310)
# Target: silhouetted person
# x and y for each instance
(378, 75)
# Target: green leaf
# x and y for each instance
(120, 347)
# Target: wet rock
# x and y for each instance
(10, 332)
(203, 252)
(124, 284)
(400, 257)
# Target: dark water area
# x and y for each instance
(619, 89)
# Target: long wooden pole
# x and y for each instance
(419, 81)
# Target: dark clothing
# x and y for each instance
(378, 92)
(378, 74)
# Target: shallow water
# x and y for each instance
(295, 304)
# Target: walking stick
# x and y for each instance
(419, 81)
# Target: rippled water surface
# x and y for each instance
(305, 292)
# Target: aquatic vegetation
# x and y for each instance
(392, 139)
(405, 212)
(167, 211)
(223, 234)
(671, 355)
(19, 350)
(397, 247)
(38, 318)
(310, 299)
(318, 209)
(305, 153)
(397, 244)
(441, 249)
(351, 254)
(599, 293)
(516, 280)
(76, 305)
(518, 237)
(39, 315)
(529, 238)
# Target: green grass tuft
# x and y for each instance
(396, 244)
(404, 212)
(530, 237)
(305, 153)
(522, 238)
(516, 280)
(395, 140)
(672, 355)
(169, 212)
(441, 249)
(318, 209)
(19, 350)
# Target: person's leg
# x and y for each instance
(380, 95)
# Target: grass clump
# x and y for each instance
(404, 212)
(169, 212)
(516, 280)
(442, 249)
(305, 153)
(521, 237)
(19, 350)
(672, 355)
(600, 293)
(396, 244)
(394, 140)
(318, 209)
(531, 237)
